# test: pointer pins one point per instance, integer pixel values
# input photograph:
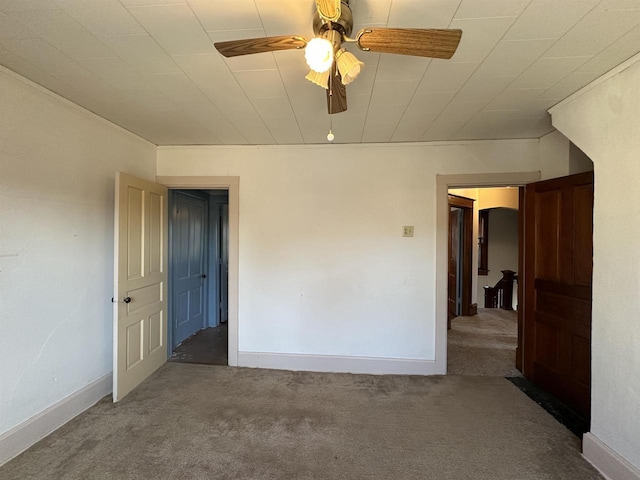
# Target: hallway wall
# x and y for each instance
(57, 164)
(603, 120)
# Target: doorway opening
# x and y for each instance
(554, 295)
(198, 276)
(482, 289)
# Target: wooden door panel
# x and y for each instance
(547, 345)
(583, 233)
(135, 233)
(575, 394)
(558, 244)
(580, 360)
(570, 392)
(460, 255)
(454, 235)
(562, 324)
(157, 332)
(582, 292)
(547, 218)
(571, 311)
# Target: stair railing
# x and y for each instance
(501, 294)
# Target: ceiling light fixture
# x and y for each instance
(319, 54)
(320, 79)
(348, 66)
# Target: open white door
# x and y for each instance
(140, 278)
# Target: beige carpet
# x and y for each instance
(484, 344)
(210, 422)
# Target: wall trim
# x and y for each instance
(320, 146)
(337, 363)
(477, 180)
(608, 462)
(232, 184)
(21, 437)
(598, 81)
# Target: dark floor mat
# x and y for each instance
(568, 417)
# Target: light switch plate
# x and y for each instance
(407, 231)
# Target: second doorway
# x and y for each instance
(198, 280)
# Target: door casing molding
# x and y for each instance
(232, 184)
(443, 183)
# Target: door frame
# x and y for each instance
(443, 184)
(232, 184)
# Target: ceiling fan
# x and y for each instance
(332, 67)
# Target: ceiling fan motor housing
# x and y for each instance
(344, 24)
(333, 23)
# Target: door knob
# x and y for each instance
(127, 299)
(204, 275)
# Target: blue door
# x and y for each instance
(189, 278)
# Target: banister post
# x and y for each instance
(507, 284)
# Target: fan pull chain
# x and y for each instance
(330, 135)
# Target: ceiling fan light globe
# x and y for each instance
(348, 66)
(320, 79)
(319, 54)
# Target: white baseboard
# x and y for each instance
(336, 363)
(608, 462)
(21, 437)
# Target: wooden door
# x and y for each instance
(558, 244)
(140, 282)
(460, 257)
(189, 265)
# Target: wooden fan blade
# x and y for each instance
(336, 94)
(248, 46)
(329, 9)
(434, 43)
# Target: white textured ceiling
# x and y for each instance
(150, 66)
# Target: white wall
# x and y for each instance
(324, 269)
(560, 157)
(57, 164)
(578, 160)
(505, 197)
(554, 155)
(604, 121)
